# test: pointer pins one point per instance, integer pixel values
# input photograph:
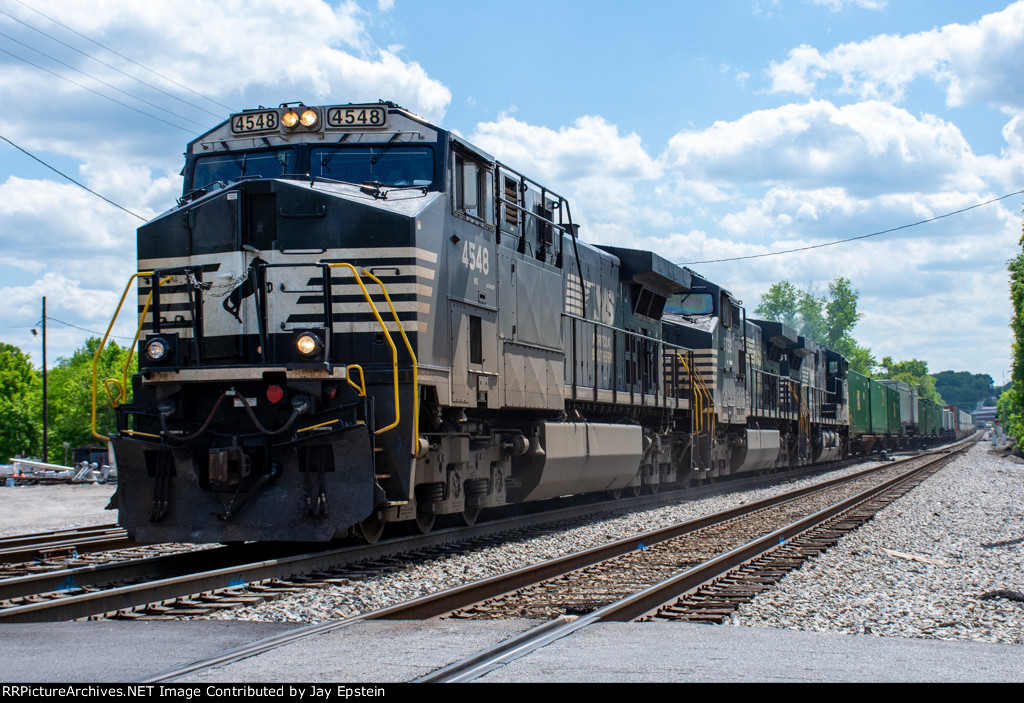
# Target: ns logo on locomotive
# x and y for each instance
(354, 317)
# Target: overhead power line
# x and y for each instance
(96, 92)
(851, 239)
(104, 63)
(98, 334)
(129, 60)
(100, 80)
(83, 187)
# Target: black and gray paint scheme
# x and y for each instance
(273, 370)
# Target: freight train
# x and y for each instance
(888, 414)
(353, 317)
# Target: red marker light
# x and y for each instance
(275, 393)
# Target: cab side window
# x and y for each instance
(472, 188)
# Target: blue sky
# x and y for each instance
(698, 130)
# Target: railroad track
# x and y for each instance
(715, 601)
(59, 545)
(698, 590)
(195, 584)
(643, 600)
(171, 582)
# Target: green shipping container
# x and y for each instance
(860, 404)
(930, 415)
(885, 410)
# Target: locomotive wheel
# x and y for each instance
(615, 493)
(424, 522)
(633, 491)
(372, 528)
(470, 516)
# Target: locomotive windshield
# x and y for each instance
(229, 166)
(387, 165)
(690, 304)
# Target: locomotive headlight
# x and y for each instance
(290, 119)
(309, 118)
(308, 344)
(156, 349)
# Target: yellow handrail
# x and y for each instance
(361, 388)
(415, 365)
(387, 335)
(121, 392)
(803, 412)
(698, 396)
(122, 385)
(697, 381)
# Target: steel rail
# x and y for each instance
(43, 538)
(71, 607)
(472, 668)
(435, 605)
(92, 575)
(649, 599)
(79, 546)
(164, 567)
(81, 540)
(173, 583)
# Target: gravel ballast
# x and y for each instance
(337, 601)
(919, 569)
(946, 561)
(922, 568)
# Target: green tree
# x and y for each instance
(860, 358)
(780, 304)
(70, 391)
(840, 311)
(1011, 404)
(914, 373)
(813, 323)
(827, 320)
(1008, 410)
(20, 404)
(964, 389)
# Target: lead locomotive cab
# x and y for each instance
(282, 302)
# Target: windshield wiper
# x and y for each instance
(334, 151)
(384, 149)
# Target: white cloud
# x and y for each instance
(236, 52)
(63, 295)
(865, 147)
(589, 162)
(59, 240)
(43, 219)
(977, 63)
(838, 5)
(589, 147)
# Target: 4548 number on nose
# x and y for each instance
(476, 258)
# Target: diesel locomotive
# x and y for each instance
(353, 317)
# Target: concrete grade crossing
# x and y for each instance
(390, 652)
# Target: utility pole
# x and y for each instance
(46, 414)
